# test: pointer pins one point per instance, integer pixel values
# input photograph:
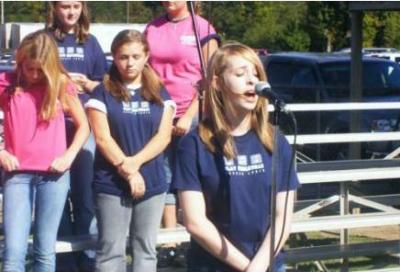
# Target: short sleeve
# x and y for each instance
(97, 99)
(186, 175)
(288, 179)
(99, 62)
(207, 32)
(5, 81)
(146, 30)
(168, 102)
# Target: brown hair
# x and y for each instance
(54, 25)
(150, 81)
(39, 46)
(214, 130)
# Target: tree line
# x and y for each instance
(277, 26)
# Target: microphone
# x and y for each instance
(264, 89)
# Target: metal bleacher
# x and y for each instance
(304, 223)
(341, 172)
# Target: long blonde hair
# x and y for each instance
(81, 28)
(39, 46)
(214, 129)
(150, 81)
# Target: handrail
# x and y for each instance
(344, 137)
(350, 106)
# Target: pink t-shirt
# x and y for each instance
(174, 56)
(34, 142)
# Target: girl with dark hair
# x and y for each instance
(36, 158)
(131, 116)
(68, 22)
(223, 171)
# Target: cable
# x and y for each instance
(291, 166)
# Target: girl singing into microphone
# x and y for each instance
(223, 171)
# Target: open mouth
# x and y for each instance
(250, 94)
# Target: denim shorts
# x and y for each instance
(169, 162)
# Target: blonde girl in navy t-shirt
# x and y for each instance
(131, 116)
(223, 172)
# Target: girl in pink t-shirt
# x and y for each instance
(175, 58)
(34, 98)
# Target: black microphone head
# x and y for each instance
(261, 87)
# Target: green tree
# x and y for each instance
(328, 24)
(391, 32)
(107, 12)
(120, 11)
(371, 27)
(229, 18)
(275, 26)
(24, 11)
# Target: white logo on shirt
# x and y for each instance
(136, 107)
(71, 53)
(188, 40)
(244, 165)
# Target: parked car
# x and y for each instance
(7, 62)
(393, 56)
(371, 50)
(325, 78)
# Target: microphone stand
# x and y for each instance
(201, 58)
(279, 106)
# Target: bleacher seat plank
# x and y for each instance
(335, 222)
(349, 175)
(76, 243)
(324, 252)
(391, 269)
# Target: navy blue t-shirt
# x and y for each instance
(87, 58)
(236, 192)
(132, 125)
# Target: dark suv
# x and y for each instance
(325, 78)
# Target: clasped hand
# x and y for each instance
(137, 185)
(129, 169)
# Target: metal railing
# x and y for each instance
(303, 219)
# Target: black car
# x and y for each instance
(7, 62)
(325, 78)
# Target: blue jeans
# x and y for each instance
(80, 220)
(45, 195)
(81, 188)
